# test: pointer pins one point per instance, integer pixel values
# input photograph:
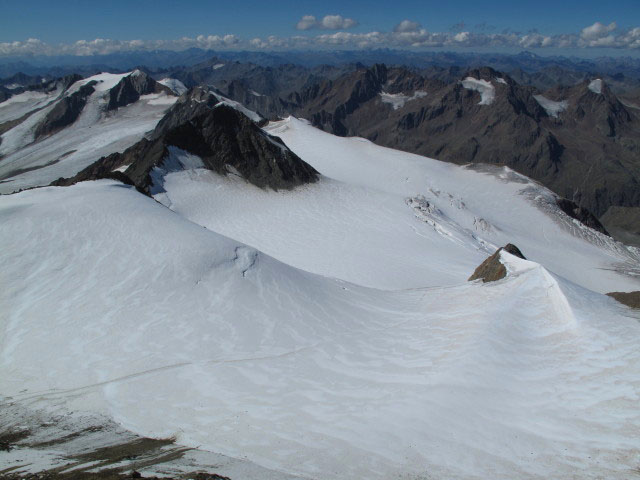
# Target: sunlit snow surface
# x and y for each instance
(140, 313)
(23, 103)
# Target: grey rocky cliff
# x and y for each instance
(223, 137)
(65, 112)
(132, 87)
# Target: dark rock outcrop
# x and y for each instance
(5, 94)
(623, 223)
(130, 88)
(583, 215)
(223, 137)
(630, 299)
(492, 268)
(65, 112)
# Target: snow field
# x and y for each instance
(238, 353)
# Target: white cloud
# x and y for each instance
(307, 22)
(461, 37)
(406, 26)
(597, 30)
(406, 34)
(328, 22)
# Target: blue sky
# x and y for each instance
(54, 22)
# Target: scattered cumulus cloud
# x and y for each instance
(461, 37)
(102, 46)
(307, 22)
(597, 30)
(407, 34)
(328, 22)
(406, 26)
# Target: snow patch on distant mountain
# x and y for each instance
(485, 88)
(596, 86)
(174, 84)
(218, 66)
(501, 80)
(158, 99)
(398, 100)
(551, 107)
(104, 81)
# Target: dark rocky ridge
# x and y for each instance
(261, 88)
(492, 268)
(65, 112)
(5, 94)
(220, 135)
(132, 87)
(583, 215)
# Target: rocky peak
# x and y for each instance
(492, 269)
(592, 102)
(65, 112)
(221, 135)
(132, 87)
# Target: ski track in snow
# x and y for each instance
(329, 358)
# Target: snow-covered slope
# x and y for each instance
(551, 107)
(389, 219)
(173, 329)
(175, 85)
(23, 103)
(27, 162)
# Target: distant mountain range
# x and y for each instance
(163, 59)
(561, 125)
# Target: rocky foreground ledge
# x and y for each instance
(50, 444)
